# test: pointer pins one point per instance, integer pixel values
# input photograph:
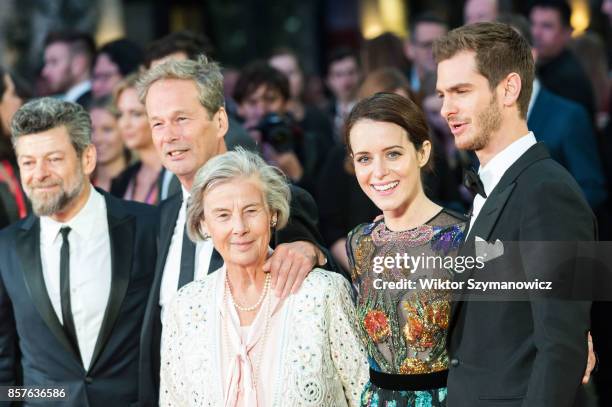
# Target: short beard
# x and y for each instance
(490, 120)
(59, 202)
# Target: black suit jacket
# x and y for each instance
(33, 340)
(302, 226)
(523, 353)
(85, 99)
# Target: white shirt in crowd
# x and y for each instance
(90, 269)
(495, 169)
(78, 90)
(172, 268)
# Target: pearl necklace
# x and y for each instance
(268, 313)
(258, 303)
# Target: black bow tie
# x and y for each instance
(472, 181)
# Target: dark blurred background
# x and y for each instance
(239, 30)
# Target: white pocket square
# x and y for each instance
(488, 251)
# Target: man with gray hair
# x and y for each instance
(185, 107)
(75, 275)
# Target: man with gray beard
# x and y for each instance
(73, 276)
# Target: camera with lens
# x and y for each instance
(280, 131)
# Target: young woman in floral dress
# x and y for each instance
(403, 327)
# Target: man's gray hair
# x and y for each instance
(48, 113)
(231, 166)
(206, 75)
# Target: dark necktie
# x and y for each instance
(187, 260)
(65, 289)
(472, 181)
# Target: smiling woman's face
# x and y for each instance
(132, 121)
(387, 165)
(238, 220)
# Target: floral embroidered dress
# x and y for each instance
(404, 329)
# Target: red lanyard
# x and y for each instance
(13, 184)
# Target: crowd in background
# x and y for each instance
(298, 126)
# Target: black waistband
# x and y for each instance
(410, 382)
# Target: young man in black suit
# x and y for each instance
(520, 353)
(185, 107)
(75, 275)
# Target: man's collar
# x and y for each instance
(491, 173)
(77, 91)
(185, 192)
(85, 223)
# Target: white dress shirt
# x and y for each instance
(495, 169)
(75, 92)
(172, 268)
(90, 269)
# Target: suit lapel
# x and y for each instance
(151, 326)
(121, 235)
(28, 250)
(494, 206)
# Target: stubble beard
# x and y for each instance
(490, 120)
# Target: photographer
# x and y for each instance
(262, 95)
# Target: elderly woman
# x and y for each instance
(227, 340)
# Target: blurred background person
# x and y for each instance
(13, 202)
(308, 117)
(68, 62)
(606, 8)
(183, 44)
(566, 129)
(114, 61)
(478, 11)
(591, 53)
(383, 51)
(112, 156)
(315, 92)
(142, 180)
(262, 94)
(557, 68)
(343, 80)
(387, 79)
(424, 29)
